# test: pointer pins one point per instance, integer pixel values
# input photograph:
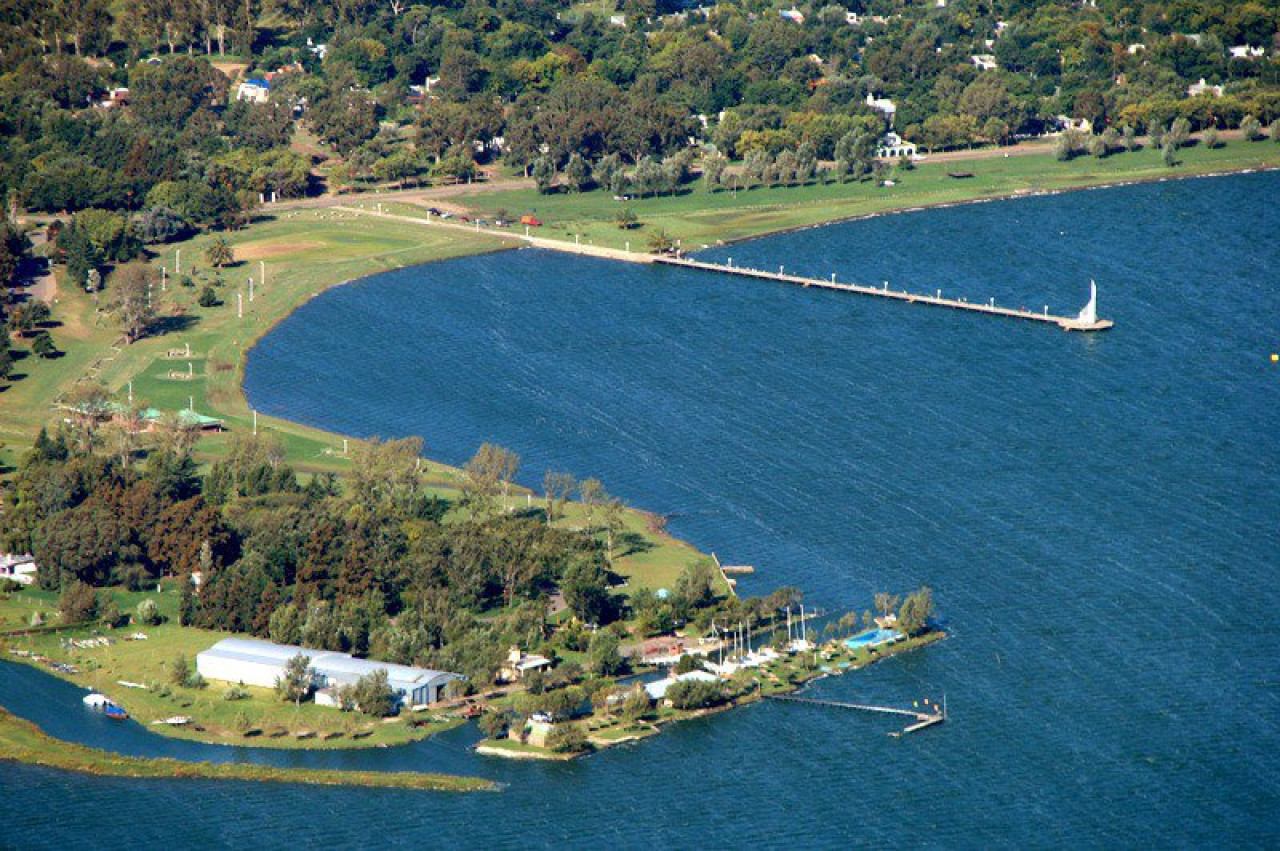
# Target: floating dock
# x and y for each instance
(1066, 323)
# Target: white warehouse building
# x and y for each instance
(260, 663)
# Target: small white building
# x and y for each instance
(519, 664)
(984, 61)
(1244, 51)
(882, 105)
(1203, 88)
(261, 663)
(892, 146)
(115, 98)
(1135, 48)
(18, 568)
(1066, 122)
(256, 90)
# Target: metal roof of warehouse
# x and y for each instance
(336, 665)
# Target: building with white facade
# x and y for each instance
(252, 662)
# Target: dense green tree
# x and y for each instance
(295, 684)
(695, 694)
(374, 695)
(42, 345)
(586, 589)
(130, 299)
(218, 252)
(170, 92)
(604, 658)
(544, 173)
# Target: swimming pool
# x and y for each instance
(872, 638)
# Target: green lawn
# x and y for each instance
(149, 662)
(700, 218)
(304, 253)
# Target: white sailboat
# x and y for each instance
(1087, 319)
(1089, 315)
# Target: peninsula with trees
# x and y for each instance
(178, 178)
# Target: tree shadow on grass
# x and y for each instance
(173, 324)
(633, 543)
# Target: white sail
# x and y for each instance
(1089, 316)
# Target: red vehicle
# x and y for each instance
(531, 221)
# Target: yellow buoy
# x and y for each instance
(1275, 358)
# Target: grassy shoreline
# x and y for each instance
(699, 219)
(22, 741)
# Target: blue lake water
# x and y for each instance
(1097, 516)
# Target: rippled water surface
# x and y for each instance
(1097, 515)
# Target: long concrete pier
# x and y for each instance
(922, 719)
(1066, 323)
(842, 704)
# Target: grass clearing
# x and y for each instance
(268, 721)
(699, 218)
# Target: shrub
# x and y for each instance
(78, 603)
(695, 694)
(43, 345)
(687, 663)
(179, 671)
(1211, 139)
(235, 693)
(208, 298)
(148, 613)
(9, 586)
(567, 738)
(373, 694)
(108, 609)
(196, 680)
(1252, 128)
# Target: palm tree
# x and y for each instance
(218, 253)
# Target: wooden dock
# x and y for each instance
(1066, 323)
(922, 719)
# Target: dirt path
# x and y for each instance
(410, 196)
(43, 286)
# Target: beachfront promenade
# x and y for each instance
(1066, 323)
